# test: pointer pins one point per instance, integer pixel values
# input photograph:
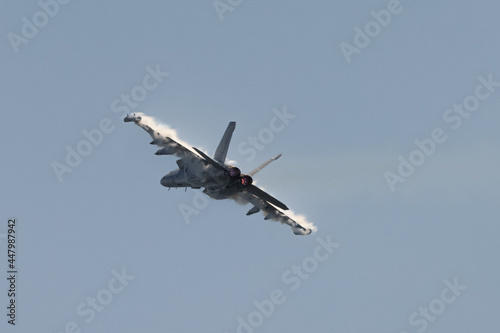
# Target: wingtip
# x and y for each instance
(130, 118)
(301, 231)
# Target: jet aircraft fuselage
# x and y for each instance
(220, 180)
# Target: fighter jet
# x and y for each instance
(220, 180)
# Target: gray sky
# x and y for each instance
(418, 255)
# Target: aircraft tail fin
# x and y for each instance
(221, 152)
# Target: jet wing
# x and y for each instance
(168, 145)
(266, 197)
(271, 212)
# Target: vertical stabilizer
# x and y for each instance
(221, 152)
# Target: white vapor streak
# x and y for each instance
(302, 220)
(163, 129)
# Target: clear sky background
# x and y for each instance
(352, 122)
